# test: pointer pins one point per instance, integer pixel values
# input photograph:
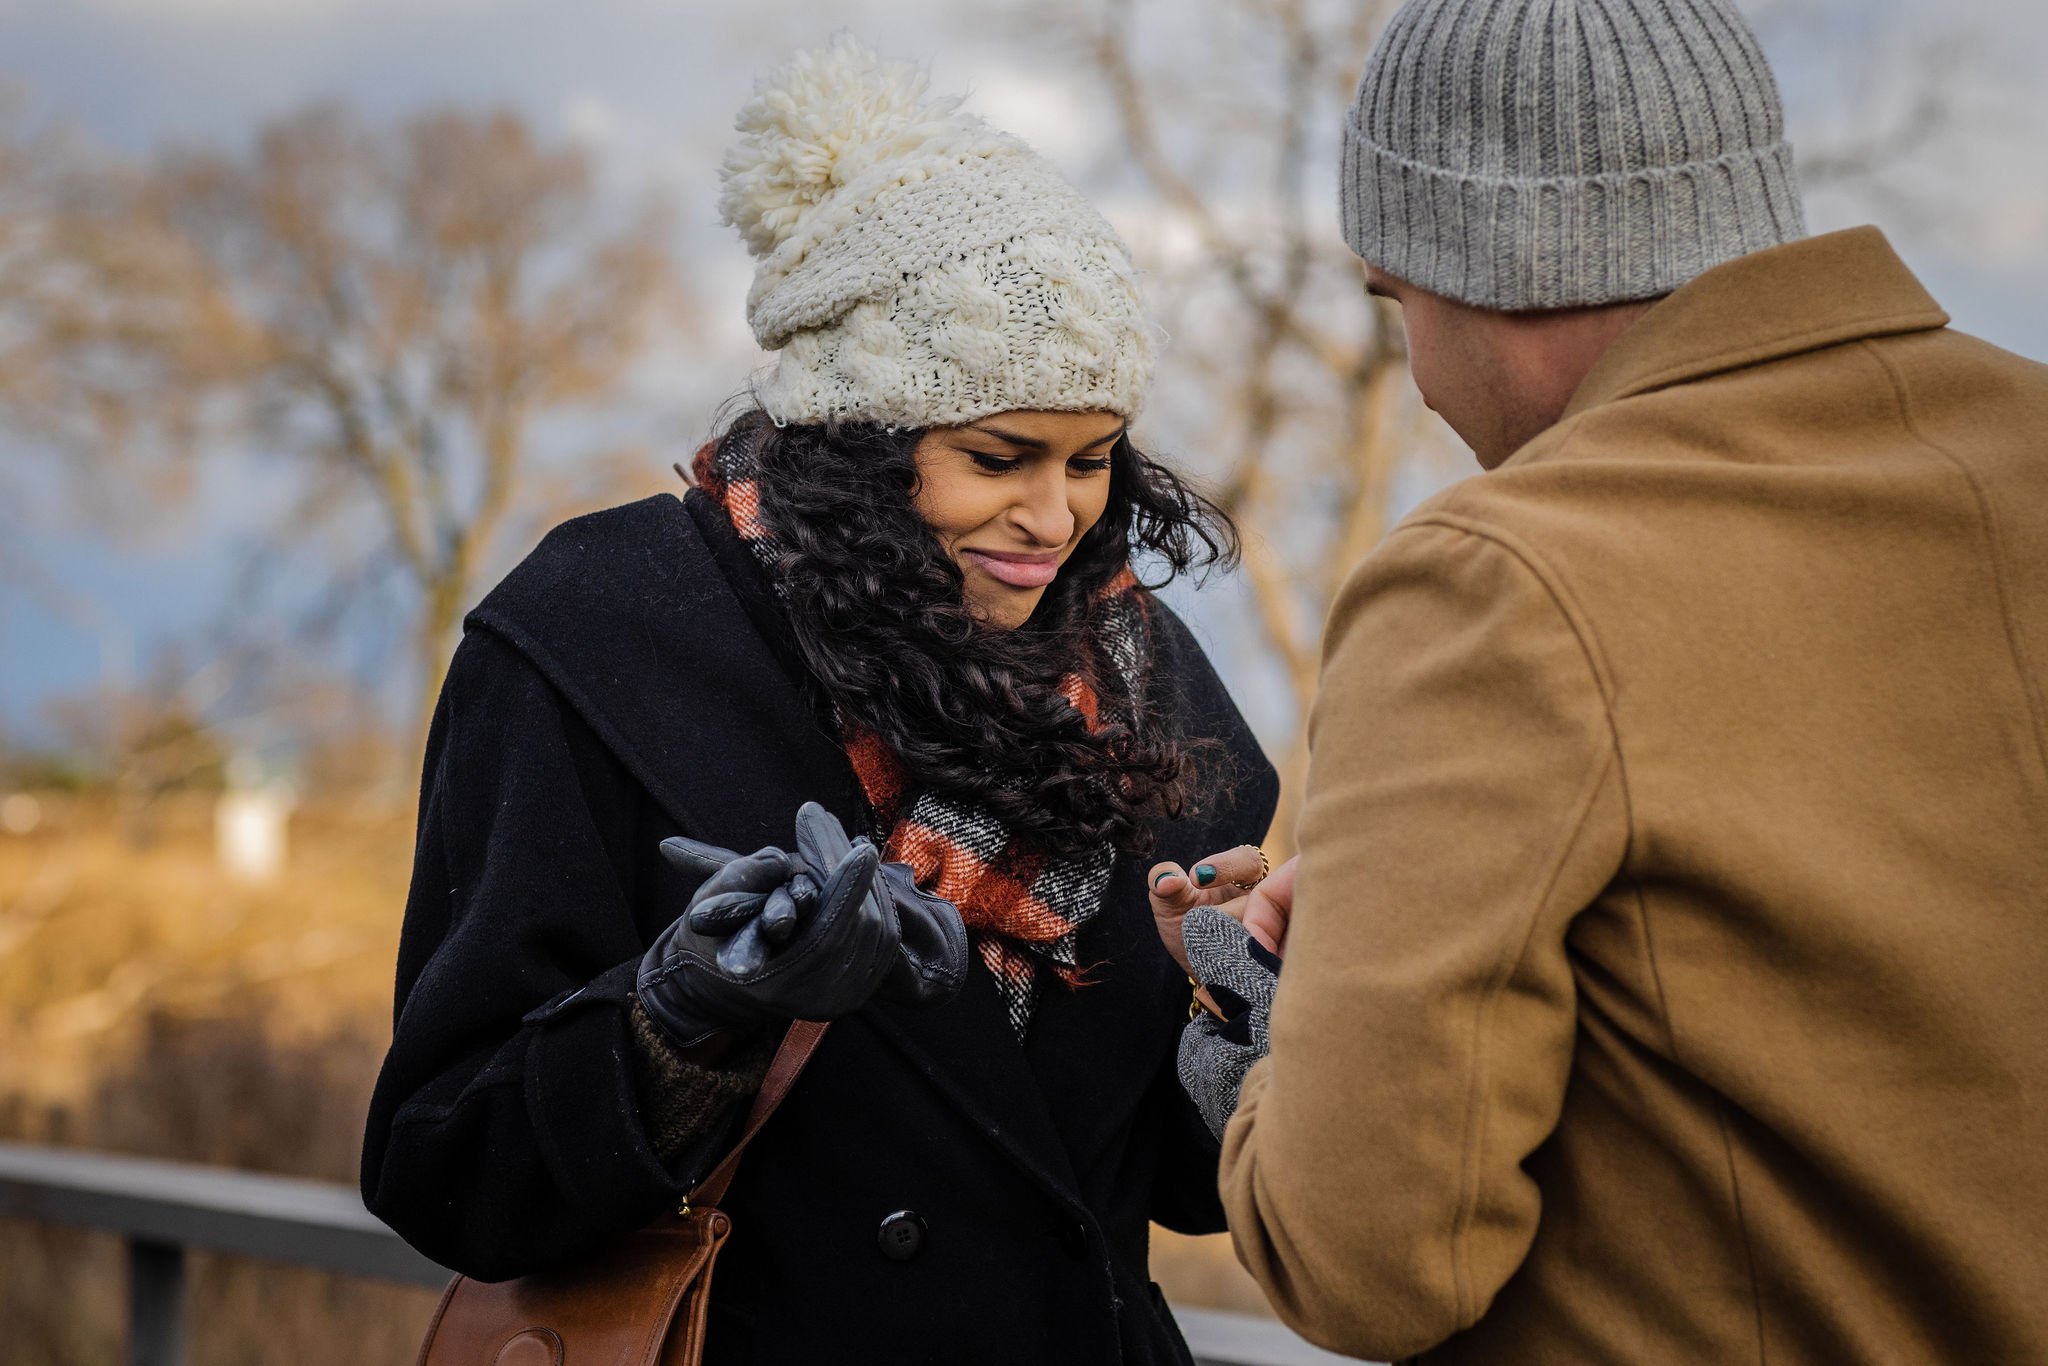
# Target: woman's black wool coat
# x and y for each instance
(632, 679)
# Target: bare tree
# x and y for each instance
(384, 314)
(19, 237)
(1284, 365)
(1891, 106)
(1226, 118)
(28, 160)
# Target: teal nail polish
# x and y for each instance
(1162, 877)
(1205, 873)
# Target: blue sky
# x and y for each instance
(652, 84)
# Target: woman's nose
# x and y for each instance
(1042, 513)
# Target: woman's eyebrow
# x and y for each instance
(1032, 443)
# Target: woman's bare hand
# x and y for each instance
(1230, 881)
(1269, 908)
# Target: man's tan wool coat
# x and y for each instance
(1668, 979)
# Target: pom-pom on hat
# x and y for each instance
(916, 267)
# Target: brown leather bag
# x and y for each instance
(643, 1302)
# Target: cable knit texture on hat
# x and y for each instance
(1529, 154)
(917, 267)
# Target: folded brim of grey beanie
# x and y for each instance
(1518, 155)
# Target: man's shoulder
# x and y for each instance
(1519, 501)
(1587, 499)
(1616, 469)
(1726, 449)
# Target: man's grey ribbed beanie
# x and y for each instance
(1528, 154)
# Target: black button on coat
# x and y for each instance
(632, 680)
(901, 1236)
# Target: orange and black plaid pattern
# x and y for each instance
(1023, 909)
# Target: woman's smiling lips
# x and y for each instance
(1016, 569)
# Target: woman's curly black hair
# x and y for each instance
(971, 711)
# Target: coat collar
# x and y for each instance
(1844, 286)
(628, 616)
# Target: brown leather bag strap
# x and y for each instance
(797, 1046)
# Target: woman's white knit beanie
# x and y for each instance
(1531, 154)
(916, 267)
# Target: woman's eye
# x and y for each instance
(1090, 464)
(995, 464)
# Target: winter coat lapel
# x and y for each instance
(967, 1050)
(1057, 1102)
(1095, 1050)
(633, 623)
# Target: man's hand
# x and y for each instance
(1216, 1050)
(1231, 882)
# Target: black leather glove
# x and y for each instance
(772, 936)
(931, 965)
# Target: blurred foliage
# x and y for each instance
(40, 770)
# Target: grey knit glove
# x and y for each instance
(1240, 975)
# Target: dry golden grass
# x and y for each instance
(148, 1004)
(97, 938)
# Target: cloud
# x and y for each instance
(592, 121)
(268, 10)
(1055, 116)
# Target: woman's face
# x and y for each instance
(1010, 496)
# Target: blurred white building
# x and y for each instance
(252, 822)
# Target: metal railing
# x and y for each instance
(163, 1208)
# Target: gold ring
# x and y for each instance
(1265, 869)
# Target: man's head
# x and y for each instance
(1499, 379)
(1524, 175)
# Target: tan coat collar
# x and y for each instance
(1818, 292)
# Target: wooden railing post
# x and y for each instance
(156, 1303)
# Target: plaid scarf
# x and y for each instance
(1024, 909)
